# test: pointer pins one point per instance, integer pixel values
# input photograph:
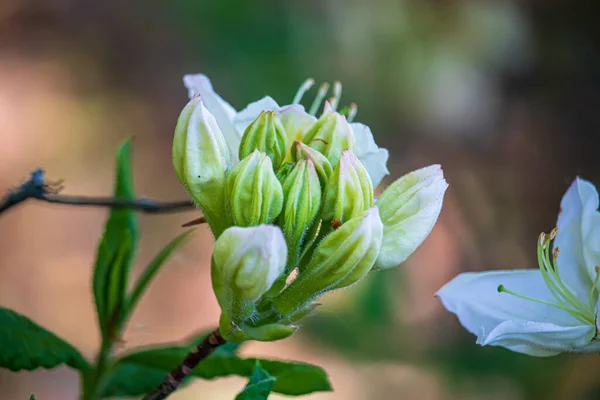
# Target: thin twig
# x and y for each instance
(197, 354)
(39, 189)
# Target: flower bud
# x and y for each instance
(341, 259)
(330, 135)
(409, 208)
(255, 195)
(302, 192)
(245, 263)
(265, 133)
(201, 158)
(321, 163)
(349, 191)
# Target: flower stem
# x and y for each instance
(93, 384)
(197, 354)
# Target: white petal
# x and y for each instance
(590, 225)
(376, 165)
(199, 84)
(578, 221)
(540, 338)
(373, 157)
(365, 142)
(249, 114)
(480, 308)
(295, 121)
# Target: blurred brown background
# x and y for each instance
(504, 94)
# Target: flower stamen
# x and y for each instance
(564, 296)
(352, 111)
(337, 95)
(306, 85)
(502, 289)
(323, 89)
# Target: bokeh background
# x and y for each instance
(504, 94)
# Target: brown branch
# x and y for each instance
(39, 189)
(197, 354)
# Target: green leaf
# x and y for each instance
(26, 345)
(136, 372)
(259, 387)
(153, 268)
(116, 251)
(135, 379)
(32, 397)
(292, 378)
(130, 380)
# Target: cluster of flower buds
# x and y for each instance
(289, 198)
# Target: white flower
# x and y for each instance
(294, 118)
(545, 311)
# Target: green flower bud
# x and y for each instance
(302, 192)
(265, 133)
(245, 263)
(255, 195)
(321, 163)
(330, 135)
(409, 208)
(201, 158)
(341, 259)
(349, 191)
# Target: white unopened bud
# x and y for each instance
(201, 158)
(409, 208)
(245, 263)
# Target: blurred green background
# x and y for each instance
(503, 94)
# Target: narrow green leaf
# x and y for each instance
(292, 378)
(32, 397)
(116, 250)
(153, 268)
(26, 345)
(259, 387)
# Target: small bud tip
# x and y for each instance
(500, 288)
